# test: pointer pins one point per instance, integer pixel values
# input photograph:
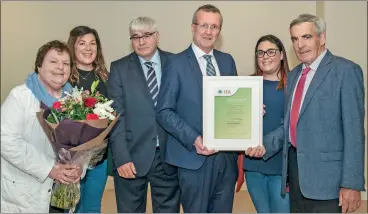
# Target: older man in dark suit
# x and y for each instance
(138, 142)
(323, 133)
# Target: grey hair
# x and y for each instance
(318, 22)
(142, 23)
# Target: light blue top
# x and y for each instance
(156, 63)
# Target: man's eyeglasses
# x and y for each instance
(145, 37)
(269, 52)
(205, 26)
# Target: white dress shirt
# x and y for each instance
(203, 62)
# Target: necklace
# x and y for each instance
(85, 77)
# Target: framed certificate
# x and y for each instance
(232, 112)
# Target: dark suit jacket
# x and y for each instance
(134, 136)
(179, 105)
(330, 130)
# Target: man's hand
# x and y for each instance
(127, 170)
(202, 150)
(349, 200)
(256, 152)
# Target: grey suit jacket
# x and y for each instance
(330, 130)
(134, 137)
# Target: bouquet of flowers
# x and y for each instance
(77, 126)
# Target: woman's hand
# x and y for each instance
(66, 173)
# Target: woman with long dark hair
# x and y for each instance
(263, 178)
(88, 66)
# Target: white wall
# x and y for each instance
(25, 26)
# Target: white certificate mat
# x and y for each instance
(232, 112)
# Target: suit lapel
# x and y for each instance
(195, 66)
(293, 80)
(137, 71)
(318, 77)
(163, 58)
(220, 65)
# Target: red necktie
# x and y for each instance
(294, 115)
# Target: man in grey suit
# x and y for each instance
(138, 142)
(322, 136)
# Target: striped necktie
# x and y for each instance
(152, 82)
(210, 69)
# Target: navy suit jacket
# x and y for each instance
(179, 106)
(330, 130)
(134, 137)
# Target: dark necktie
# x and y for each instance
(152, 82)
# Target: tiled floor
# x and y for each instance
(242, 203)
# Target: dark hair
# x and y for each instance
(284, 68)
(99, 62)
(207, 8)
(52, 45)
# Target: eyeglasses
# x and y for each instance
(145, 37)
(205, 26)
(270, 52)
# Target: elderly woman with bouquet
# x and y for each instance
(28, 166)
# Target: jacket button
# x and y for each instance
(49, 190)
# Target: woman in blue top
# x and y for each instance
(89, 65)
(263, 178)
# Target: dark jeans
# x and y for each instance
(56, 210)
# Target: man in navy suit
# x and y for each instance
(138, 142)
(206, 177)
(323, 133)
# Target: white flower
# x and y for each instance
(104, 110)
(76, 93)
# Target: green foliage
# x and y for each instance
(65, 196)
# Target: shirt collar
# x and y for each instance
(317, 61)
(155, 59)
(200, 53)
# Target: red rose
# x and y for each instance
(56, 105)
(90, 116)
(90, 102)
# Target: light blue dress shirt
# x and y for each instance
(156, 64)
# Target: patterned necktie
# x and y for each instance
(152, 82)
(210, 69)
(294, 115)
